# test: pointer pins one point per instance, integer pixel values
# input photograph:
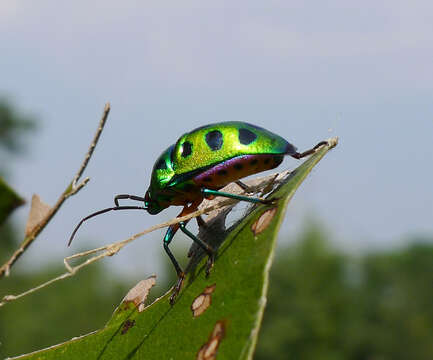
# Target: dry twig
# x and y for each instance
(71, 189)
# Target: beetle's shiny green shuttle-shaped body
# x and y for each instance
(212, 155)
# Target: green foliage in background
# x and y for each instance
(13, 128)
(9, 200)
(325, 304)
(13, 125)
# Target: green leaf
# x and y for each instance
(237, 288)
(9, 200)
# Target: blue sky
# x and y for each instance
(307, 70)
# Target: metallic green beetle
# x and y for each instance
(202, 162)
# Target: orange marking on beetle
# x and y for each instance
(203, 301)
(263, 221)
(209, 350)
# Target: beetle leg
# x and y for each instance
(244, 186)
(201, 224)
(206, 247)
(308, 152)
(180, 274)
(172, 229)
(207, 192)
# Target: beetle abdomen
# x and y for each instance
(236, 168)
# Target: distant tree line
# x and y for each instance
(324, 304)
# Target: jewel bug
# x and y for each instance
(197, 166)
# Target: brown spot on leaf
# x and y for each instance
(209, 350)
(126, 326)
(203, 301)
(38, 211)
(263, 221)
(138, 294)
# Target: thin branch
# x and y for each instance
(71, 189)
(93, 144)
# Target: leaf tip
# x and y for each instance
(332, 142)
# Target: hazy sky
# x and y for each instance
(306, 70)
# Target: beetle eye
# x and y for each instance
(147, 198)
(161, 165)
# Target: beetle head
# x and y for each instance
(152, 205)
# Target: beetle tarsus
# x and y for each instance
(210, 263)
(177, 288)
(272, 201)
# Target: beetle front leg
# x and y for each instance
(180, 274)
(172, 229)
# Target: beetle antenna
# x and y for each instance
(102, 212)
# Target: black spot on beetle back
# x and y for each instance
(186, 149)
(246, 136)
(214, 139)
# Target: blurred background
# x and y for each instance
(353, 278)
